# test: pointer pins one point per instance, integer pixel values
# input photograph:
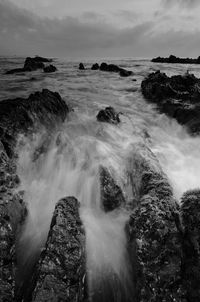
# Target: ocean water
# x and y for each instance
(70, 167)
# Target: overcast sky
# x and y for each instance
(100, 28)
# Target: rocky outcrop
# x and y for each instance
(108, 115)
(95, 66)
(154, 239)
(177, 96)
(60, 273)
(19, 116)
(174, 60)
(49, 69)
(81, 66)
(114, 68)
(111, 194)
(31, 64)
(190, 269)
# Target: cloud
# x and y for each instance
(182, 3)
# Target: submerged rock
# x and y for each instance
(174, 60)
(154, 240)
(50, 68)
(81, 66)
(108, 115)
(111, 194)
(95, 66)
(177, 96)
(60, 273)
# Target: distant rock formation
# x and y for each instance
(108, 115)
(95, 66)
(177, 96)
(31, 64)
(50, 68)
(173, 59)
(60, 272)
(114, 68)
(81, 66)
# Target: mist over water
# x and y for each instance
(69, 163)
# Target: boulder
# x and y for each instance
(125, 73)
(111, 194)
(177, 96)
(60, 272)
(108, 115)
(109, 67)
(95, 66)
(81, 66)
(49, 69)
(153, 237)
(31, 64)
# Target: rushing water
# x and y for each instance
(70, 165)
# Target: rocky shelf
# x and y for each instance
(176, 60)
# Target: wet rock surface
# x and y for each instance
(154, 240)
(60, 273)
(114, 68)
(95, 66)
(174, 60)
(108, 115)
(111, 194)
(81, 66)
(31, 64)
(49, 69)
(177, 96)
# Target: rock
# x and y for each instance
(108, 115)
(153, 238)
(111, 194)
(95, 66)
(109, 67)
(20, 115)
(50, 68)
(190, 210)
(60, 272)
(81, 66)
(174, 60)
(31, 64)
(125, 73)
(177, 96)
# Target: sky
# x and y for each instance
(100, 28)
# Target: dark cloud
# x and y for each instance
(23, 33)
(182, 3)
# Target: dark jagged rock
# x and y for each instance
(114, 68)
(108, 115)
(190, 210)
(12, 214)
(174, 60)
(95, 66)
(81, 66)
(177, 96)
(111, 194)
(31, 64)
(19, 115)
(50, 68)
(154, 239)
(60, 273)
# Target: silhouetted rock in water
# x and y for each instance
(154, 239)
(173, 59)
(49, 69)
(114, 68)
(60, 273)
(19, 116)
(177, 96)
(108, 115)
(12, 214)
(111, 194)
(31, 64)
(95, 66)
(81, 66)
(190, 210)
